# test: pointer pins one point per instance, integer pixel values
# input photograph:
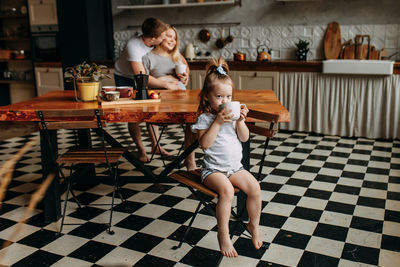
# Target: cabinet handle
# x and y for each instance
(255, 74)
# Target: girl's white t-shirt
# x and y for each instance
(225, 154)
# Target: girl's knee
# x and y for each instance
(227, 192)
(254, 189)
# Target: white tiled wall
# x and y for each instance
(281, 39)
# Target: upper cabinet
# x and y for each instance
(180, 4)
(42, 12)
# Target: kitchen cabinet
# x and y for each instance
(255, 80)
(241, 79)
(16, 69)
(90, 22)
(42, 12)
(48, 79)
(196, 79)
(179, 5)
(106, 81)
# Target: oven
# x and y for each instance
(45, 44)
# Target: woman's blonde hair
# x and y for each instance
(175, 55)
(217, 70)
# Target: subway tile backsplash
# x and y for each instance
(280, 39)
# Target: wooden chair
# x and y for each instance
(107, 156)
(192, 179)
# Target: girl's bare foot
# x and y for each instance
(160, 151)
(255, 235)
(226, 246)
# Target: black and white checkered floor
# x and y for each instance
(327, 201)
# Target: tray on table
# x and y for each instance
(125, 101)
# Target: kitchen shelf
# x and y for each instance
(14, 39)
(13, 16)
(15, 60)
(213, 3)
(15, 82)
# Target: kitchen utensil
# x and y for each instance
(141, 86)
(125, 91)
(189, 51)
(332, 41)
(239, 56)
(361, 49)
(374, 54)
(220, 43)
(112, 95)
(347, 50)
(204, 35)
(263, 53)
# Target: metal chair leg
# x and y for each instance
(188, 228)
(65, 205)
(114, 172)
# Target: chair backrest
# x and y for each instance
(70, 119)
(267, 132)
(75, 120)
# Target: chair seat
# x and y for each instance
(90, 155)
(193, 179)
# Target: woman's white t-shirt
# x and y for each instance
(225, 154)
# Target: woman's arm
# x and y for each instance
(137, 67)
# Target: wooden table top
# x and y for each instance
(176, 106)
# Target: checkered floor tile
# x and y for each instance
(327, 201)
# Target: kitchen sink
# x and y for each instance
(353, 66)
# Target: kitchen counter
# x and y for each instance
(274, 65)
(48, 64)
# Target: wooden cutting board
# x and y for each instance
(125, 101)
(332, 41)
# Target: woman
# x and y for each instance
(160, 63)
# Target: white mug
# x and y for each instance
(180, 68)
(235, 106)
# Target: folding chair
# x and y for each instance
(192, 179)
(109, 157)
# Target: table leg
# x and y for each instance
(51, 200)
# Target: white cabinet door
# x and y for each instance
(48, 79)
(256, 79)
(42, 12)
(106, 81)
(196, 79)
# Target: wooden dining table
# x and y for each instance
(175, 107)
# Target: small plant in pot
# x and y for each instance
(302, 50)
(87, 78)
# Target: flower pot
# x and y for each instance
(301, 54)
(88, 91)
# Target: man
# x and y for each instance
(130, 64)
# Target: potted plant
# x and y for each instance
(86, 78)
(302, 50)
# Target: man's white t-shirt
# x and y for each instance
(225, 154)
(134, 50)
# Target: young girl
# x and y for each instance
(220, 138)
